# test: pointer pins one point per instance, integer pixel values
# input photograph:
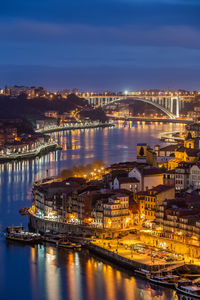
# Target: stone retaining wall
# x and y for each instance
(122, 261)
(42, 225)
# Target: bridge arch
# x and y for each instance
(163, 109)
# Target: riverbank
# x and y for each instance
(107, 244)
(40, 224)
(173, 136)
(56, 266)
(73, 126)
(43, 149)
(140, 119)
(128, 263)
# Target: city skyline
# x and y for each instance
(101, 45)
(100, 149)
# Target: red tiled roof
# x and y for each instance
(152, 171)
(161, 188)
(128, 180)
(170, 147)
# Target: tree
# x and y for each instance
(141, 151)
(66, 173)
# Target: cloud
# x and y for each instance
(126, 37)
(32, 32)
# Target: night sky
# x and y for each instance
(100, 44)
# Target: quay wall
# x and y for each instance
(22, 156)
(123, 261)
(63, 128)
(42, 225)
(182, 121)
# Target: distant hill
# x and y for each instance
(33, 109)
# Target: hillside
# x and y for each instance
(33, 109)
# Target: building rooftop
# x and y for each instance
(152, 171)
(117, 196)
(169, 172)
(189, 151)
(128, 180)
(161, 188)
(171, 148)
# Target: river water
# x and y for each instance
(47, 273)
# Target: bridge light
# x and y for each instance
(126, 92)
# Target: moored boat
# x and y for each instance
(54, 238)
(24, 237)
(142, 272)
(68, 245)
(192, 291)
(14, 229)
(166, 280)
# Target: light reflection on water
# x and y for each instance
(63, 274)
(51, 274)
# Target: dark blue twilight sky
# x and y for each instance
(100, 44)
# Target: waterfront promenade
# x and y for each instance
(173, 136)
(139, 249)
(128, 251)
(63, 265)
(149, 119)
(108, 243)
(73, 126)
(132, 260)
(47, 147)
(125, 248)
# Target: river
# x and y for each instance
(47, 273)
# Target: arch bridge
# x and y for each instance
(163, 103)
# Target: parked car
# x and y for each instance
(133, 231)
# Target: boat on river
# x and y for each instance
(14, 229)
(60, 240)
(191, 291)
(24, 237)
(78, 238)
(164, 280)
(142, 273)
(54, 238)
(69, 245)
(17, 234)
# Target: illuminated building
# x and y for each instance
(127, 183)
(8, 134)
(169, 178)
(145, 154)
(194, 176)
(148, 201)
(194, 129)
(116, 212)
(148, 177)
